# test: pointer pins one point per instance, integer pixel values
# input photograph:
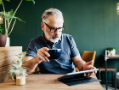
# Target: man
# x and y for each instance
(37, 51)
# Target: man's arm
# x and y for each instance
(31, 63)
(78, 62)
(82, 65)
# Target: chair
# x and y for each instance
(88, 56)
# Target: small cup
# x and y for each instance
(21, 77)
(54, 53)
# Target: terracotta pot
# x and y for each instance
(3, 39)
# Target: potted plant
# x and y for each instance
(2, 37)
(10, 18)
(111, 51)
(18, 72)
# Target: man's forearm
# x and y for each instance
(79, 63)
(30, 65)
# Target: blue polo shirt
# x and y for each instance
(62, 65)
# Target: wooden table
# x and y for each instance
(47, 82)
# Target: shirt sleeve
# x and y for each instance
(31, 51)
(74, 49)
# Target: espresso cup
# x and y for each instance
(54, 53)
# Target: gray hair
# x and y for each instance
(51, 11)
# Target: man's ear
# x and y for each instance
(43, 26)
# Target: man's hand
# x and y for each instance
(88, 66)
(42, 55)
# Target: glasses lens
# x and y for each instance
(59, 30)
(52, 30)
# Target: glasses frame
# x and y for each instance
(54, 28)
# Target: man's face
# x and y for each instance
(53, 22)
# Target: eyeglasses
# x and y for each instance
(53, 29)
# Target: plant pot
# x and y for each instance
(3, 39)
(112, 52)
(7, 42)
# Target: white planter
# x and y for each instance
(7, 42)
(112, 52)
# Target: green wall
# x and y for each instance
(94, 24)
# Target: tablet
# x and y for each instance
(82, 72)
(79, 74)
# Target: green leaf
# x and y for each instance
(21, 20)
(20, 54)
(16, 66)
(13, 66)
(8, 0)
(18, 62)
(23, 60)
(13, 74)
(2, 12)
(111, 48)
(1, 30)
(12, 70)
(32, 1)
(11, 12)
(0, 1)
(13, 62)
(8, 15)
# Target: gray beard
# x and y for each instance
(53, 39)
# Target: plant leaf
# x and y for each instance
(13, 62)
(8, 0)
(17, 65)
(13, 74)
(23, 60)
(0, 1)
(21, 20)
(8, 15)
(1, 30)
(32, 1)
(12, 70)
(18, 62)
(13, 66)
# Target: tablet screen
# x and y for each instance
(79, 74)
(82, 72)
